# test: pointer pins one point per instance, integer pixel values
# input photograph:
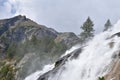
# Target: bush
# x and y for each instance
(11, 51)
(7, 72)
(101, 78)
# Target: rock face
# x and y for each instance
(20, 28)
(31, 45)
(114, 74)
(67, 38)
(116, 34)
(7, 23)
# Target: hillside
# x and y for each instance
(28, 46)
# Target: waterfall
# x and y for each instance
(95, 59)
(46, 68)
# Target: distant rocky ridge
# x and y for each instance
(31, 45)
(20, 28)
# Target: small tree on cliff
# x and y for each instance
(107, 25)
(88, 31)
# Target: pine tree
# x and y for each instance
(107, 25)
(88, 31)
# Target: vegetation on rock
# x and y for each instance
(7, 71)
(101, 78)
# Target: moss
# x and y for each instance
(59, 62)
(11, 51)
(61, 47)
(46, 44)
(4, 39)
(101, 78)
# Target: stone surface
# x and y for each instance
(67, 38)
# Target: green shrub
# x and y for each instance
(7, 72)
(11, 51)
(101, 78)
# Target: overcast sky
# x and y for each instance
(63, 15)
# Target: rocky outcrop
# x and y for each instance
(67, 38)
(114, 74)
(116, 34)
(9, 23)
(20, 28)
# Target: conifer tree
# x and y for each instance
(107, 25)
(88, 31)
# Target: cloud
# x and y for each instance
(7, 8)
(64, 15)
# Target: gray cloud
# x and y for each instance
(66, 15)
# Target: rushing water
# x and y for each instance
(95, 59)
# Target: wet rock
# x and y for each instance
(116, 34)
(114, 74)
(60, 64)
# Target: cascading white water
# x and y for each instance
(95, 59)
